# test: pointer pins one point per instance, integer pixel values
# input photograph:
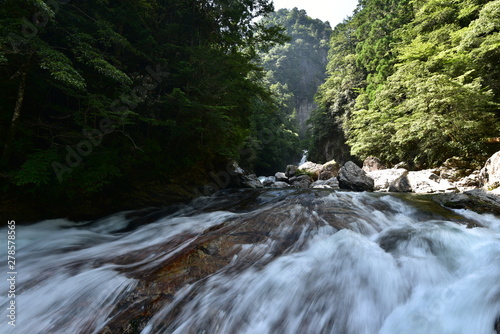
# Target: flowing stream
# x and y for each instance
(262, 261)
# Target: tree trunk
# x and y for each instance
(11, 133)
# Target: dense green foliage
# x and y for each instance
(413, 81)
(297, 68)
(95, 94)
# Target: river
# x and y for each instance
(262, 261)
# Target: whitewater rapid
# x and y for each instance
(323, 262)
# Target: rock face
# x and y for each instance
(332, 183)
(489, 176)
(394, 179)
(427, 182)
(372, 164)
(354, 178)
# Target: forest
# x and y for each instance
(124, 103)
(412, 81)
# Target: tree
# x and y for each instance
(105, 90)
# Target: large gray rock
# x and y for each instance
(489, 176)
(332, 183)
(383, 179)
(354, 178)
(427, 182)
(372, 164)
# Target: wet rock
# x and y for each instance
(372, 164)
(384, 179)
(354, 178)
(477, 200)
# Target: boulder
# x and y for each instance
(427, 182)
(332, 183)
(291, 170)
(354, 178)
(311, 168)
(302, 181)
(281, 177)
(489, 176)
(329, 170)
(383, 179)
(372, 164)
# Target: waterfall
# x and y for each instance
(303, 160)
(263, 261)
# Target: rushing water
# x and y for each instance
(269, 261)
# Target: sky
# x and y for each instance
(334, 11)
